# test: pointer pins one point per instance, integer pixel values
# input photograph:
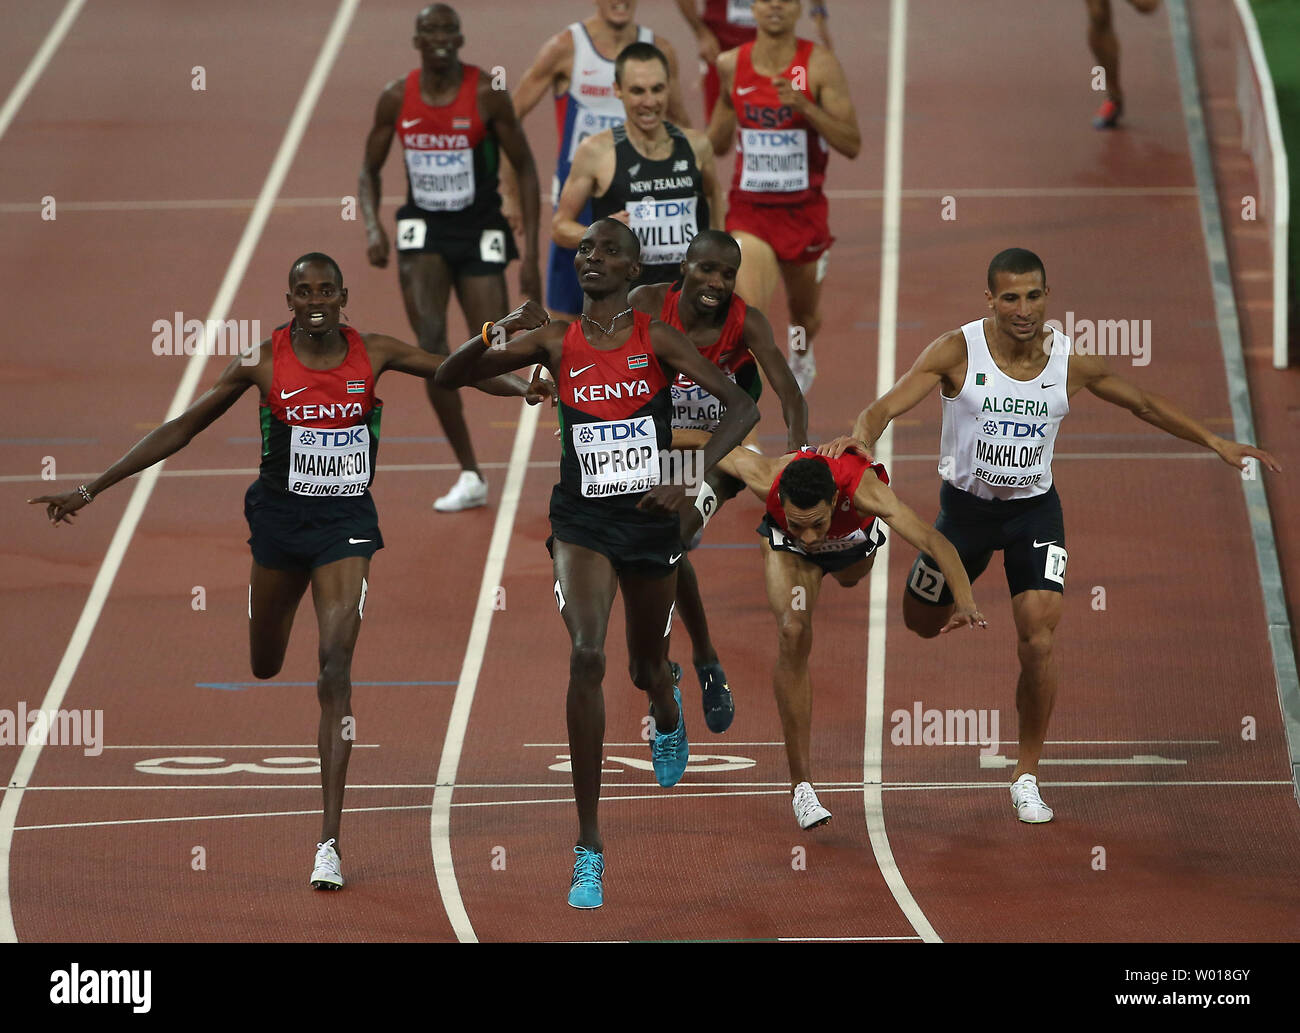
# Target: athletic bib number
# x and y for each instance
(664, 228)
(775, 160)
(617, 457)
(926, 581)
(492, 246)
(741, 12)
(1054, 565)
(410, 234)
(441, 181)
(335, 461)
(694, 408)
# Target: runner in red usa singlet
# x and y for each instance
(310, 516)
(771, 90)
(615, 522)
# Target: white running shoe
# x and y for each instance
(804, 367)
(1027, 802)
(469, 491)
(327, 873)
(807, 810)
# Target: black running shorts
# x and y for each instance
(635, 543)
(482, 250)
(292, 533)
(1029, 532)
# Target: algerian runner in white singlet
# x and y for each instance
(1006, 383)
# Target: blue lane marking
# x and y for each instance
(240, 686)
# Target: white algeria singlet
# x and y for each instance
(998, 432)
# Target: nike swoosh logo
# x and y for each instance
(358, 541)
(290, 394)
(745, 89)
(590, 71)
(1046, 386)
(1039, 545)
(579, 372)
(408, 122)
(674, 559)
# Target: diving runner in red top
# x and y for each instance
(821, 518)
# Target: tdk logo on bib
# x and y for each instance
(619, 430)
(335, 438)
(617, 457)
(1008, 429)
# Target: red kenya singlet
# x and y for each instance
(320, 428)
(782, 158)
(614, 421)
(451, 161)
(693, 407)
(847, 528)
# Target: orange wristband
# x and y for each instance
(485, 330)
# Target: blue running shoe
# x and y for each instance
(676, 670)
(586, 891)
(719, 707)
(670, 751)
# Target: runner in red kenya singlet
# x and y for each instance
(614, 522)
(790, 101)
(310, 514)
(454, 123)
(736, 338)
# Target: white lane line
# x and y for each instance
(145, 484)
(891, 217)
(440, 816)
(37, 64)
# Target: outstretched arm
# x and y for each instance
(1094, 373)
(393, 354)
(931, 368)
(162, 441)
(755, 469)
(875, 498)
